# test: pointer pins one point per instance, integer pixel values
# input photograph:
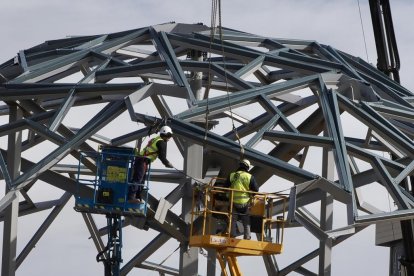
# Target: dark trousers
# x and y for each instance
(240, 213)
(138, 177)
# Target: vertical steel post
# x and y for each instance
(197, 77)
(193, 163)
(192, 167)
(325, 246)
(11, 213)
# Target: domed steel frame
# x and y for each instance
(285, 99)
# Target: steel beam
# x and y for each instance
(94, 232)
(42, 229)
(100, 120)
(325, 246)
(294, 74)
(9, 264)
(147, 251)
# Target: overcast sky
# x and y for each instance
(26, 23)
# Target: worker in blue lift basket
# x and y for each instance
(242, 182)
(156, 147)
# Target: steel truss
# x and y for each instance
(291, 102)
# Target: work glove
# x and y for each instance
(169, 165)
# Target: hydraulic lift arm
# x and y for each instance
(388, 57)
(389, 63)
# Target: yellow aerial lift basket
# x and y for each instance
(212, 217)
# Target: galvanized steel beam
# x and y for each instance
(284, 78)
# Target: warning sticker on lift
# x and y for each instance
(116, 174)
(218, 240)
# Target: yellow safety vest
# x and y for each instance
(240, 181)
(151, 150)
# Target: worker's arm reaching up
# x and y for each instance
(162, 153)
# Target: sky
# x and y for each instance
(65, 250)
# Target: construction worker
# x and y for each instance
(242, 182)
(156, 147)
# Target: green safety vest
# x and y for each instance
(151, 150)
(240, 181)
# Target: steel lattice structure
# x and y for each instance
(314, 120)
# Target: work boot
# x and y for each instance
(133, 199)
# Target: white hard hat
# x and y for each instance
(245, 163)
(166, 130)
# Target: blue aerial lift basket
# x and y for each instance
(108, 194)
(110, 183)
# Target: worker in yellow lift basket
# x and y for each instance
(156, 147)
(242, 181)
